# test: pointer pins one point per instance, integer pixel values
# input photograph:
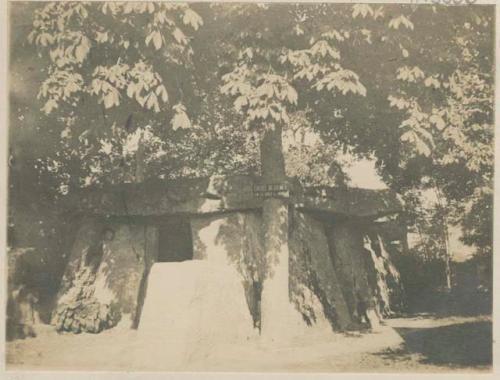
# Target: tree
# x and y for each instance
(114, 68)
(449, 104)
(139, 93)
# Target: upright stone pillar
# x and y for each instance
(279, 319)
(275, 302)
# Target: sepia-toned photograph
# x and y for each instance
(250, 187)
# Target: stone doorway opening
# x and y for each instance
(175, 241)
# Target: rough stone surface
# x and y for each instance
(194, 196)
(78, 310)
(361, 253)
(387, 282)
(353, 202)
(340, 268)
(315, 289)
(104, 278)
(77, 284)
(233, 241)
(349, 260)
(280, 320)
(223, 194)
(88, 233)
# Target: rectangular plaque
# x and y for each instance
(272, 190)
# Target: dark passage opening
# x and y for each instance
(176, 243)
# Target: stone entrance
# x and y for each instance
(175, 240)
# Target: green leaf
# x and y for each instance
(291, 95)
(179, 36)
(45, 39)
(396, 21)
(111, 98)
(361, 9)
(180, 119)
(399, 103)
(149, 37)
(162, 92)
(432, 82)
(152, 102)
(50, 105)
(82, 49)
(157, 40)
(240, 102)
(101, 37)
(437, 121)
(131, 89)
(192, 18)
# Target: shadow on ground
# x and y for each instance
(458, 345)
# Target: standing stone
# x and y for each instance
(102, 282)
(233, 242)
(346, 242)
(387, 282)
(279, 318)
(312, 272)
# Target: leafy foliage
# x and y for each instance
(447, 118)
(195, 86)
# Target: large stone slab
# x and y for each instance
(153, 198)
(86, 237)
(388, 285)
(195, 302)
(336, 267)
(349, 258)
(353, 202)
(233, 241)
(315, 288)
(363, 256)
(105, 276)
(127, 256)
(224, 194)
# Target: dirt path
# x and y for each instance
(421, 344)
(453, 342)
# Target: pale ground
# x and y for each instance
(195, 319)
(128, 350)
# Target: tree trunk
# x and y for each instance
(448, 255)
(139, 161)
(277, 312)
(447, 259)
